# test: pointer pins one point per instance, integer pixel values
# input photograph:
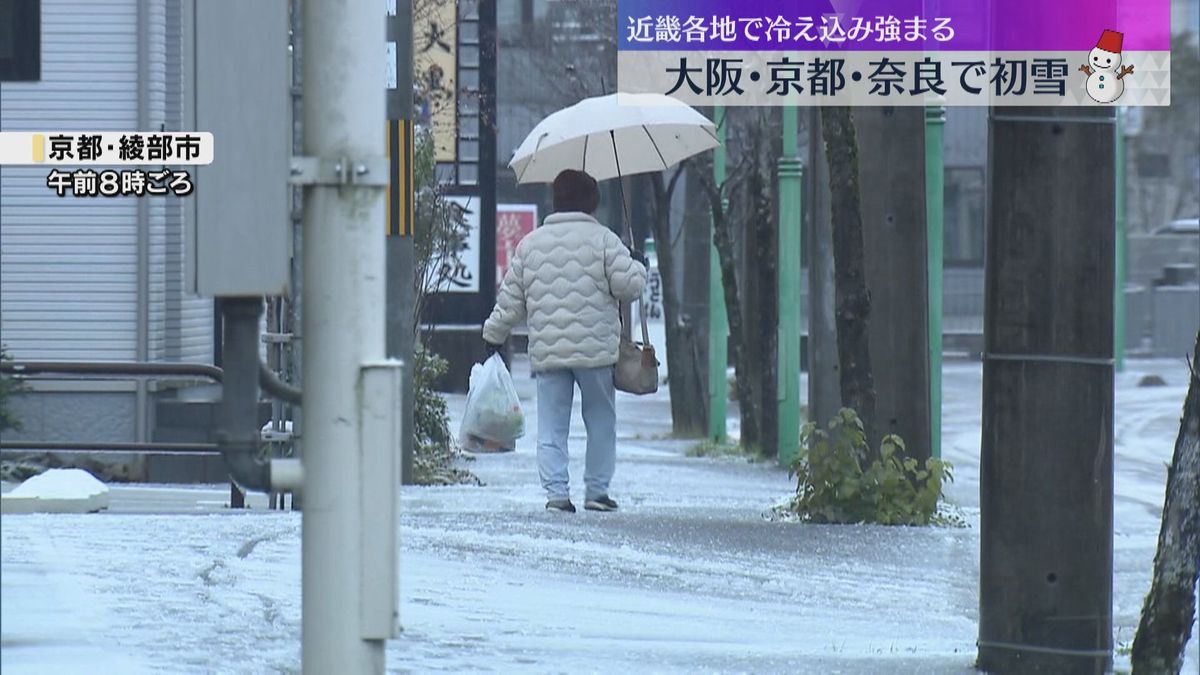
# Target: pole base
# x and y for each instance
(1000, 658)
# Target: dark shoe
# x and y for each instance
(601, 503)
(560, 505)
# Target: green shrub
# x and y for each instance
(430, 415)
(833, 486)
(435, 452)
(439, 232)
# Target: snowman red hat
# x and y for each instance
(1110, 41)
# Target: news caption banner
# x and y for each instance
(897, 52)
(77, 160)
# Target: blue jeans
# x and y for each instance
(555, 393)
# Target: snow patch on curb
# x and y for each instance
(57, 491)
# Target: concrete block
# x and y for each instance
(1176, 319)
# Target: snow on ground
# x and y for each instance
(57, 491)
(687, 577)
(61, 484)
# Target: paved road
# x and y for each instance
(688, 577)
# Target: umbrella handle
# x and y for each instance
(626, 308)
(621, 187)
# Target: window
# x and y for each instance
(20, 40)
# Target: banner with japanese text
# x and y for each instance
(897, 52)
(435, 45)
(513, 222)
(459, 272)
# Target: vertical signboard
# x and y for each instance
(460, 272)
(455, 47)
(435, 57)
(513, 222)
(652, 295)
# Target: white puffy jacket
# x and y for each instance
(565, 279)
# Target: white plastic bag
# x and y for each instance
(493, 418)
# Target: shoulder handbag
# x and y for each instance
(636, 371)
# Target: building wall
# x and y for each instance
(188, 323)
(1185, 16)
(69, 274)
(68, 266)
(966, 142)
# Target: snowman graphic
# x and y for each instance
(1104, 71)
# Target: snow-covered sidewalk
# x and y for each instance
(687, 577)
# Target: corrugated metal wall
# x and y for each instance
(68, 266)
(155, 86)
(189, 318)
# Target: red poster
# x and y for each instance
(513, 222)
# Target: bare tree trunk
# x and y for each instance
(751, 305)
(1170, 606)
(757, 342)
(723, 241)
(891, 175)
(686, 382)
(824, 387)
(745, 227)
(763, 332)
(750, 353)
(852, 296)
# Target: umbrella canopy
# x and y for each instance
(611, 136)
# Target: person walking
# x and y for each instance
(566, 280)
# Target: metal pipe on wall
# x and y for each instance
(10, 447)
(112, 369)
(718, 326)
(788, 417)
(238, 435)
(278, 389)
(142, 350)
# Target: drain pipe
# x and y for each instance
(238, 435)
(276, 387)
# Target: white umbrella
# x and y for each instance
(611, 136)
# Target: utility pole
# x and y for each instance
(296, 276)
(788, 362)
(935, 175)
(352, 397)
(891, 143)
(718, 321)
(824, 379)
(1046, 470)
(401, 333)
